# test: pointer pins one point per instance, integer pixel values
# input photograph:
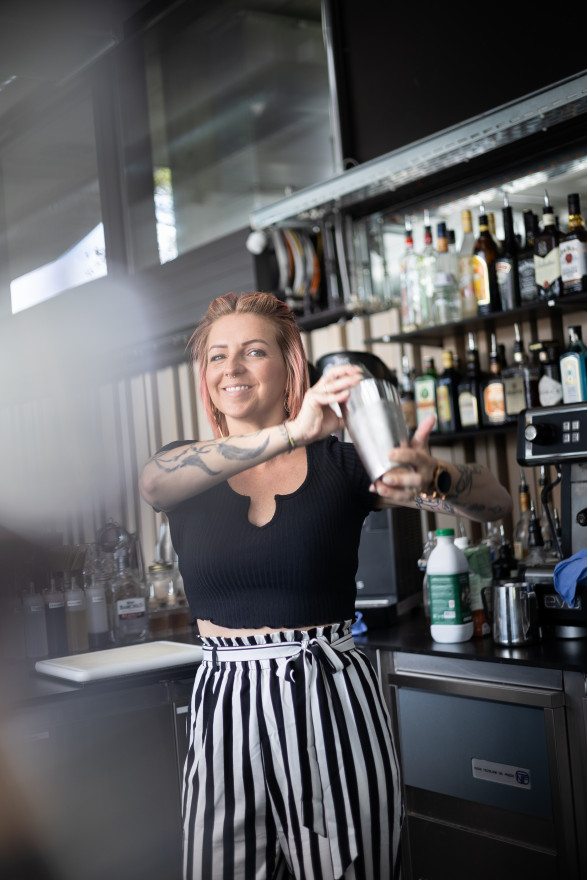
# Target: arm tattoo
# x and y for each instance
(455, 500)
(194, 456)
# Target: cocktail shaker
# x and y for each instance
(375, 421)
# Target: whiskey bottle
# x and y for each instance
(526, 272)
(447, 402)
(573, 250)
(466, 271)
(506, 267)
(520, 380)
(470, 388)
(573, 367)
(425, 394)
(485, 255)
(547, 264)
(493, 390)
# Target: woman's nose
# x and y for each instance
(232, 366)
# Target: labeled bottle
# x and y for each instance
(130, 609)
(547, 263)
(494, 390)
(55, 619)
(76, 618)
(573, 367)
(446, 301)
(506, 267)
(448, 581)
(427, 272)
(469, 390)
(466, 269)
(522, 528)
(35, 625)
(409, 282)
(573, 250)
(425, 393)
(447, 399)
(97, 614)
(526, 271)
(520, 380)
(485, 255)
(406, 395)
(550, 389)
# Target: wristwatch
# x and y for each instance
(439, 485)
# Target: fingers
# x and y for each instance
(399, 485)
(422, 433)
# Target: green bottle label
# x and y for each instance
(449, 598)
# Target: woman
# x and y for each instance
(291, 765)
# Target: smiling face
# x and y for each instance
(245, 372)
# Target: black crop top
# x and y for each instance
(297, 570)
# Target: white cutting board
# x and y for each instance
(120, 661)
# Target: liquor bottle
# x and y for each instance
(526, 272)
(573, 367)
(550, 389)
(470, 388)
(130, 609)
(493, 230)
(573, 249)
(406, 395)
(485, 255)
(409, 281)
(55, 618)
(76, 618)
(426, 271)
(506, 267)
(466, 270)
(505, 564)
(520, 380)
(493, 390)
(447, 402)
(547, 264)
(522, 529)
(446, 298)
(425, 393)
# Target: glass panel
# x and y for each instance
(239, 116)
(52, 202)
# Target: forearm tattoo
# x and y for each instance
(457, 501)
(195, 456)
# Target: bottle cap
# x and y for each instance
(444, 533)
(574, 202)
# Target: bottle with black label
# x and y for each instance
(470, 389)
(447, 403)
(485, 255)
(526, 272)
(493, 390)
(506, 267)
(547, 264)
(573, 250)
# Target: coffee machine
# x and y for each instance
(557, 435)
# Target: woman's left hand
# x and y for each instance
(402, 485)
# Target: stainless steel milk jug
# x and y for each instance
(513, 611)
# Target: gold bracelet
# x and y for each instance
(289, 437)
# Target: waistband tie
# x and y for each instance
(308, 662)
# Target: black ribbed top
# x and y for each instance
(299, 569)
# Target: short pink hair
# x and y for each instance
(288, 338)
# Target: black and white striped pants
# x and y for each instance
(291, 768)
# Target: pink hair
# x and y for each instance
(288, 338)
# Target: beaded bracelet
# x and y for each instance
(289, 437)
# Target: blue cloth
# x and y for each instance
(359, 626)
(569, 574)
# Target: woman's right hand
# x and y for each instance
(316, 418)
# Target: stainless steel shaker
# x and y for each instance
(375, 422)
(512, 609)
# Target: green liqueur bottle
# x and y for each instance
(425, 393)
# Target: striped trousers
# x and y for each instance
(291, 768)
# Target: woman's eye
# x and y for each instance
(257, 352)
(216, 357)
